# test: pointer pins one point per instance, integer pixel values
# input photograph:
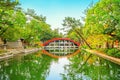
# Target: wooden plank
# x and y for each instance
(103, 55)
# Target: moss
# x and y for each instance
(2, 51)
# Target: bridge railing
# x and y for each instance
(61, 47)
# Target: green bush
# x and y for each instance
(113, 52)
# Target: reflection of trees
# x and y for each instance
(29, 68)
(98, 70)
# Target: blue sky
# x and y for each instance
(56, 10)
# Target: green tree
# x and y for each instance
(72, 25)
(38, 28)
(7, 8)
(32, 13)
(103, 18)
(14, 32)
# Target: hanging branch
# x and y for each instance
(86, 44)
(83, 39)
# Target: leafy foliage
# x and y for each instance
(103, 18)
(113, 52)
(32, 13)
(14, 24)
(71, 25)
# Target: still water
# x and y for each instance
(41, 67)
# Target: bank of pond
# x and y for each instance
(37, 66)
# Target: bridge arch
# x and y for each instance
(61, 47)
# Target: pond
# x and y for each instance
(42, 67)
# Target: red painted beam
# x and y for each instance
(56, 39)
(55, 56)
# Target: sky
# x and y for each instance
(56, 10)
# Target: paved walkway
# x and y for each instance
(13, 52)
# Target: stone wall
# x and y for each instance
(14, 45)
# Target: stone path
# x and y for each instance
(13, 52)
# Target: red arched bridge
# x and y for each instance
(61, 47)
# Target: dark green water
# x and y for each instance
(36, 67)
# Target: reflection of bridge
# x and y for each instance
(60, 47)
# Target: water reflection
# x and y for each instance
(28, 68)
(42, 67)
(57, 68)
(99, 70)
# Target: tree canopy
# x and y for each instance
(103, 18)
(17, 24)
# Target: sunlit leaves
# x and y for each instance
(7, 8)
(96, 41)
(15, 25)
(102, 19)
(102, 13)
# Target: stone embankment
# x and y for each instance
(12, 53)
